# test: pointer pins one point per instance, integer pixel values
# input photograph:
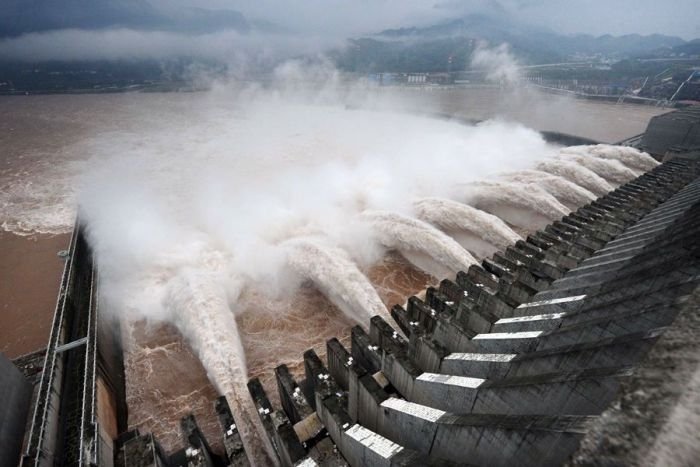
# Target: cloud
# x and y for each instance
(596, 17)
(342, 18)
(282, 28)
(228, 46)
(498, 63)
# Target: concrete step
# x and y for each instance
(361, 446)
(604, 257)
(494, 440)
(585, 392)
(542, 305)
(673, 296)
(620, 350)
(506, 342)
(617, 324)
(635, 269)
(597, 268)
(645, 292)
(542, 322)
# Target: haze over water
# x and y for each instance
(41, 135)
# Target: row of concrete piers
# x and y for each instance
(509, 363)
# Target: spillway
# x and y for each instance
(524, 205)
(624, 264)
(577, 174)
(201, 312)
(421, 243)
(611, 170)
(567, 192)
(476, 230)
(332, 270)
(630, 157)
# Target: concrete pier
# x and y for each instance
(235, 452)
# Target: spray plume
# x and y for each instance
(568, 193)
(332, 270)
(201, 312)
(497, 62)
(611, 170)
(524, 205)
(631, 157)
(576, 173)
(456, 218)
(416, 239)
(265, 183)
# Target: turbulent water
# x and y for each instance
(611, 170)
(40, 200)
(336, 275)
(565, 191)
(526, 206)
(577, 174)
(474, 226)
(268, 216)
(416, 239)
(201, 311)
(630, 157)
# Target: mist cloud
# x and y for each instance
(284, 28)
(597, 17)
(497, 62)
(228, 46)
(224, 194)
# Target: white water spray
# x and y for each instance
(523, 205)
(611, 170)
(200, 310)
(567, 192)
(576, 173)
(332, 270)
(631, 157)
(476, 230)
(421, 243)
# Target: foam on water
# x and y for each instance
(39, 201)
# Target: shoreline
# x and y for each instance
(182, 87)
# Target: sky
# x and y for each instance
(94, 29)
(597, 17)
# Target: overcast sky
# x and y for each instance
(598, 17)
(310, 25)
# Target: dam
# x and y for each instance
(510, 361)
